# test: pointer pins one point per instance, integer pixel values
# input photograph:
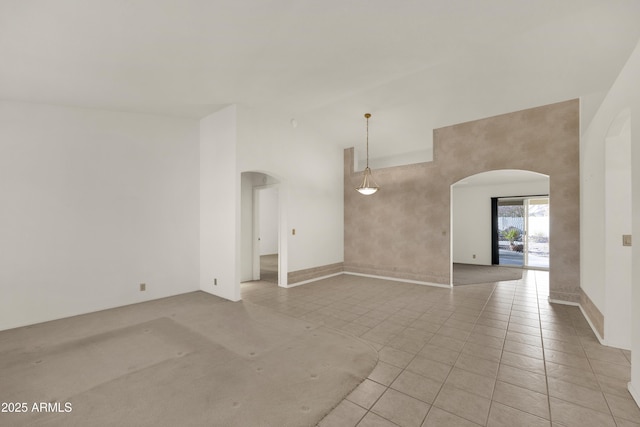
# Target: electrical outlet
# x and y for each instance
(474, 256)
(626, 240)
(215, 282)
(143, 286)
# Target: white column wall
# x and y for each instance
(630, 76)
(246, 228)
(219, 206)
(592, 213)
(634, 385)
(618, 264)
(93, 203)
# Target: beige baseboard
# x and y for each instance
(568, 297)
(594, 316)
(311, 274)
(394, 274)
(395, 279)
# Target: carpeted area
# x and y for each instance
(467, 274)
(189, 360)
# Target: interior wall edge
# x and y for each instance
(593, 315)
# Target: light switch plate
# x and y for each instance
(626, 240)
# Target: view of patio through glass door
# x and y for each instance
(522, 228)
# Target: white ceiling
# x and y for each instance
(415, 65)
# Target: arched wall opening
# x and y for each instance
(475, 220)
(411, 214)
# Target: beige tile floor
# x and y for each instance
(490, 355)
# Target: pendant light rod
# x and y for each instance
(367, 116)
(368, 186)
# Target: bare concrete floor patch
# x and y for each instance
(188, 360)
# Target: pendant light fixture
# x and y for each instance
(368, 186)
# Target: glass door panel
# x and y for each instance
(522, 231)
(536, 248)
(511, 229)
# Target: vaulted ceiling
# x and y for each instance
(415, 65)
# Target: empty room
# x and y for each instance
(294, 213)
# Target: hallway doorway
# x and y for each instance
(266, 236)
(263, 224)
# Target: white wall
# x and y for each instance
(617, 328)
(471, 217)
(93, 203)
(220, 205)
(629, 86)
(268, 221)
(624, 94)
(592, 207)
(246, 228)
(601, 239)
(311, 174)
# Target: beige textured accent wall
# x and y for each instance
(403, 231)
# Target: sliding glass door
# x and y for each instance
(521, 231)
(537, 232)
(511, 231)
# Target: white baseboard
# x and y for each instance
(395, 279)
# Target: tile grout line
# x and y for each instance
(615, 421)
(519, 291)
(544, 355)
(515, 292)
(415, 356)
(458, 357)
(387, 387)
(403, 369)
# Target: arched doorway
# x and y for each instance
(481, 236)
